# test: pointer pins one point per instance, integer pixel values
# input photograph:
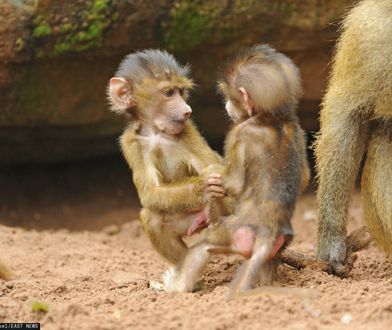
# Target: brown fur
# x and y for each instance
(271, 79)
(356, 117)
(265, 169)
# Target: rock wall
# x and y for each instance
(57, 56)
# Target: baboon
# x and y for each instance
(265, 169)
(162, 146)
(356, 125)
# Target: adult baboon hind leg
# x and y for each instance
(376, 189)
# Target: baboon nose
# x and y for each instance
(187, 112)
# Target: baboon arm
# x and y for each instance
(339, 150)
(184, 196)
(234, 178)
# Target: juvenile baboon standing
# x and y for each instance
(265, 170)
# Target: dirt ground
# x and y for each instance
(98, 278)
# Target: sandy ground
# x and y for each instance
(99, 280)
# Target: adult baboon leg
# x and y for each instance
(376, 193)
(339, 151)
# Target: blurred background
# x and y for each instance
(60, 165)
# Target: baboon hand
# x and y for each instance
(215, 186)
(334, 252)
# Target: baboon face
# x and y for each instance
(152, 88)
(171, 111)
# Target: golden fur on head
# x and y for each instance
(270, 78)
(145, 69)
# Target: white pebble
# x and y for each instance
(346, 318)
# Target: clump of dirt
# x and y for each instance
(99, 280)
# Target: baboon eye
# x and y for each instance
(169, 92)
(181, 91)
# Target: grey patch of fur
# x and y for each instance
(150, 63)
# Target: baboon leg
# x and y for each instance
(166, 241)
(376, 190)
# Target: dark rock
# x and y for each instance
(57, 56)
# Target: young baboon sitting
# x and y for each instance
(166, 153)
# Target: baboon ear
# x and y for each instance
(246, 101)
(120, 94)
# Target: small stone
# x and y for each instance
(111, 230)
(346, 319)
(39, 306)
(156, 286)
(117, 314)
